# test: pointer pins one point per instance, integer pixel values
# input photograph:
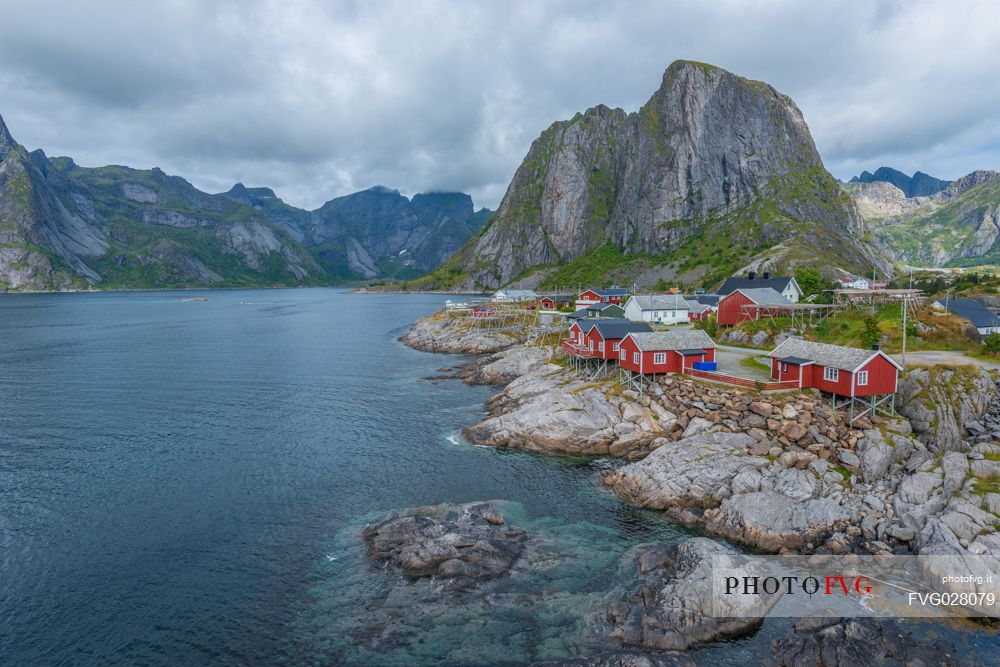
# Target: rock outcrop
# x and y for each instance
(549, 410)
(710, 156)
(470, 548)
(941, 402)
(453, 335)
(860, 643)
(665, 600)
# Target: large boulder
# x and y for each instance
(666, 601)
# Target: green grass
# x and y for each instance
(755, 364)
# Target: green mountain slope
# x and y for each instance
(63, 226)
(959, 226)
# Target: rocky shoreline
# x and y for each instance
(783, 473)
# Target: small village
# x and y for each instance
(612, 332)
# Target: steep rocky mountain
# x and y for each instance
(714, 173)
(63, 226)
(958, 226)
(918, 185)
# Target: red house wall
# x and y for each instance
(791, 374)
(673, 363)
(548, 303)
(814, 376)
(882, 378)
(730, 309)
(629, 346)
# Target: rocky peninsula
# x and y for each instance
(777, 473)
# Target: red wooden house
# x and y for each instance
(600, 339)
(615, 295)
(665, 351)
(838, 370)
(556, 301)
(751, 304)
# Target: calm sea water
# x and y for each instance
(174, 474)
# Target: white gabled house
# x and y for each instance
(659, 308)
(507, 295)
(854, 282)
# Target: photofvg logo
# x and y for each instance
(853, 586)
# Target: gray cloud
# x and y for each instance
(319, 99)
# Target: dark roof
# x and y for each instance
(559, 297)
(777, 283)
(615, 329)
(975, 312)
(609, 291)
(602, 306)
(690, 353)
(707, 299)
(798, 361)
(577, 315)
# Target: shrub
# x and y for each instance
(991, 344)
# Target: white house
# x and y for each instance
(660, 308)
(854, 282)
(515, 295)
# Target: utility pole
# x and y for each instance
(905, 299)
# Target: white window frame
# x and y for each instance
(831, 374)
(635, 357)
(616, 346)
(659, 357)
(862, 378)
(623, 354)
(784, 367)
(600, 346)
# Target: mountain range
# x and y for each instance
(956, 225)
(63, 226)
(918, 185)
(714, 174)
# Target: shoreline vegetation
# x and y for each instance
(780, 473)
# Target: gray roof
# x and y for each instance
(696, 307)
(559, 297)
(515, 293)
(777, 283)
(602, 306)
(681, 339)
(609, 291)
(975, 312)
(765, 296)
(577, 315)
(660, 302)
(707, 299)
(616, 329)
(824, 354)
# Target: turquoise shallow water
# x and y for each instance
(174, 474)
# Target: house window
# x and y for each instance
(615, 346)
(831, 374)
(621, 355)
(784, 367)
(635, 358)
(590, 344)
(862, 378)
(600, 346)
(660, 358)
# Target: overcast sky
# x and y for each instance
(320, 99)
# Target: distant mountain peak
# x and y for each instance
(7, 143)
(383, 190)
(918, 185)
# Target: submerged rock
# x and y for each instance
(467, 549)
(859, 643)
(623, 659)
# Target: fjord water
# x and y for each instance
(174, 473)
(181, 483)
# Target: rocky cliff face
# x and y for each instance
(711, 173)
(63, 226)
(957, 226)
